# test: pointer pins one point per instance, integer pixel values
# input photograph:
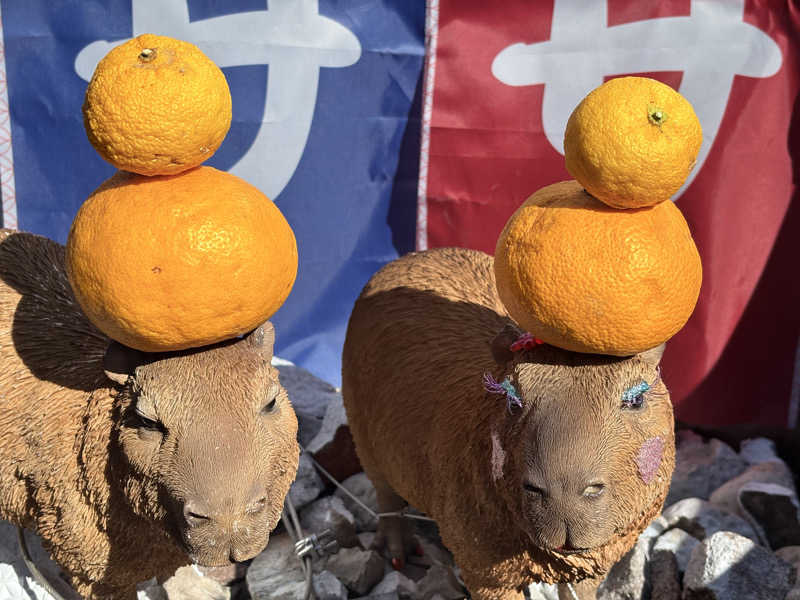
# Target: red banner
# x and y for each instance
(502, 79)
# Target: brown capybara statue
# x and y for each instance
(127, 464)
(538, 464)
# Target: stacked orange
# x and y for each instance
(606, 263)
(167, 254)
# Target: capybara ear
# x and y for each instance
(262, 338)
(653, 356)
(501, 344)
(120, 362)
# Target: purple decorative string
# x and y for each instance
(504, 388)
(491, 385)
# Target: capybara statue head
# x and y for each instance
(582, 445)
(205, 443)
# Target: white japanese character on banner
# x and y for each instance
(710, 47)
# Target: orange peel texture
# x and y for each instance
(157, 106)
(172, 262)
(589, 278)
(632, 142)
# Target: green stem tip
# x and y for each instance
(656, 116)
(147, 55)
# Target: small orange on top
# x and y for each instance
(632, 142)
(172, 262)
(157, 106)
(582, 276)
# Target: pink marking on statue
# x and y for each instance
(498, 457)
(649, 458)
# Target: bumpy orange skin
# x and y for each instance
(157, 106)
(632, 142)
(589, 278)
(174, 262)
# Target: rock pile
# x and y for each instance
(730, 530)
(356, 570)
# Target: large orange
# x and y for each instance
(632, 142)
(173, 262)
(157, 106)
(586, 277)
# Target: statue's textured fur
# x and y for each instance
(514, 490)
(181, 457)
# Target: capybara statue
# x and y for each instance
(128, 464)
(537, 463)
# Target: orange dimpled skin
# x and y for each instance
(157, 106)
(589, 278)
(172, 262)
(632, 142)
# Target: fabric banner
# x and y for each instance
(323, 123)
(502, 79)
(327, 104)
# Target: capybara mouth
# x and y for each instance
(563, 550)
(205, 558)
(570, 550)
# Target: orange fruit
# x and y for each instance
(580, 275)
(173, 262)
(156, 106)
(632, 142)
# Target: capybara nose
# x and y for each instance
(258, 500)
(226, 510)
(256, 506)
(196, 513)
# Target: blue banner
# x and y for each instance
(326, 110)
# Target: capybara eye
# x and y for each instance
(594, 490)
(532, 489)
(270, 406)
(633, 397)
(633, 403)
(148, 423)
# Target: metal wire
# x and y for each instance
(292, 524)
(332, 479)
(572, 592)
(38, 576)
